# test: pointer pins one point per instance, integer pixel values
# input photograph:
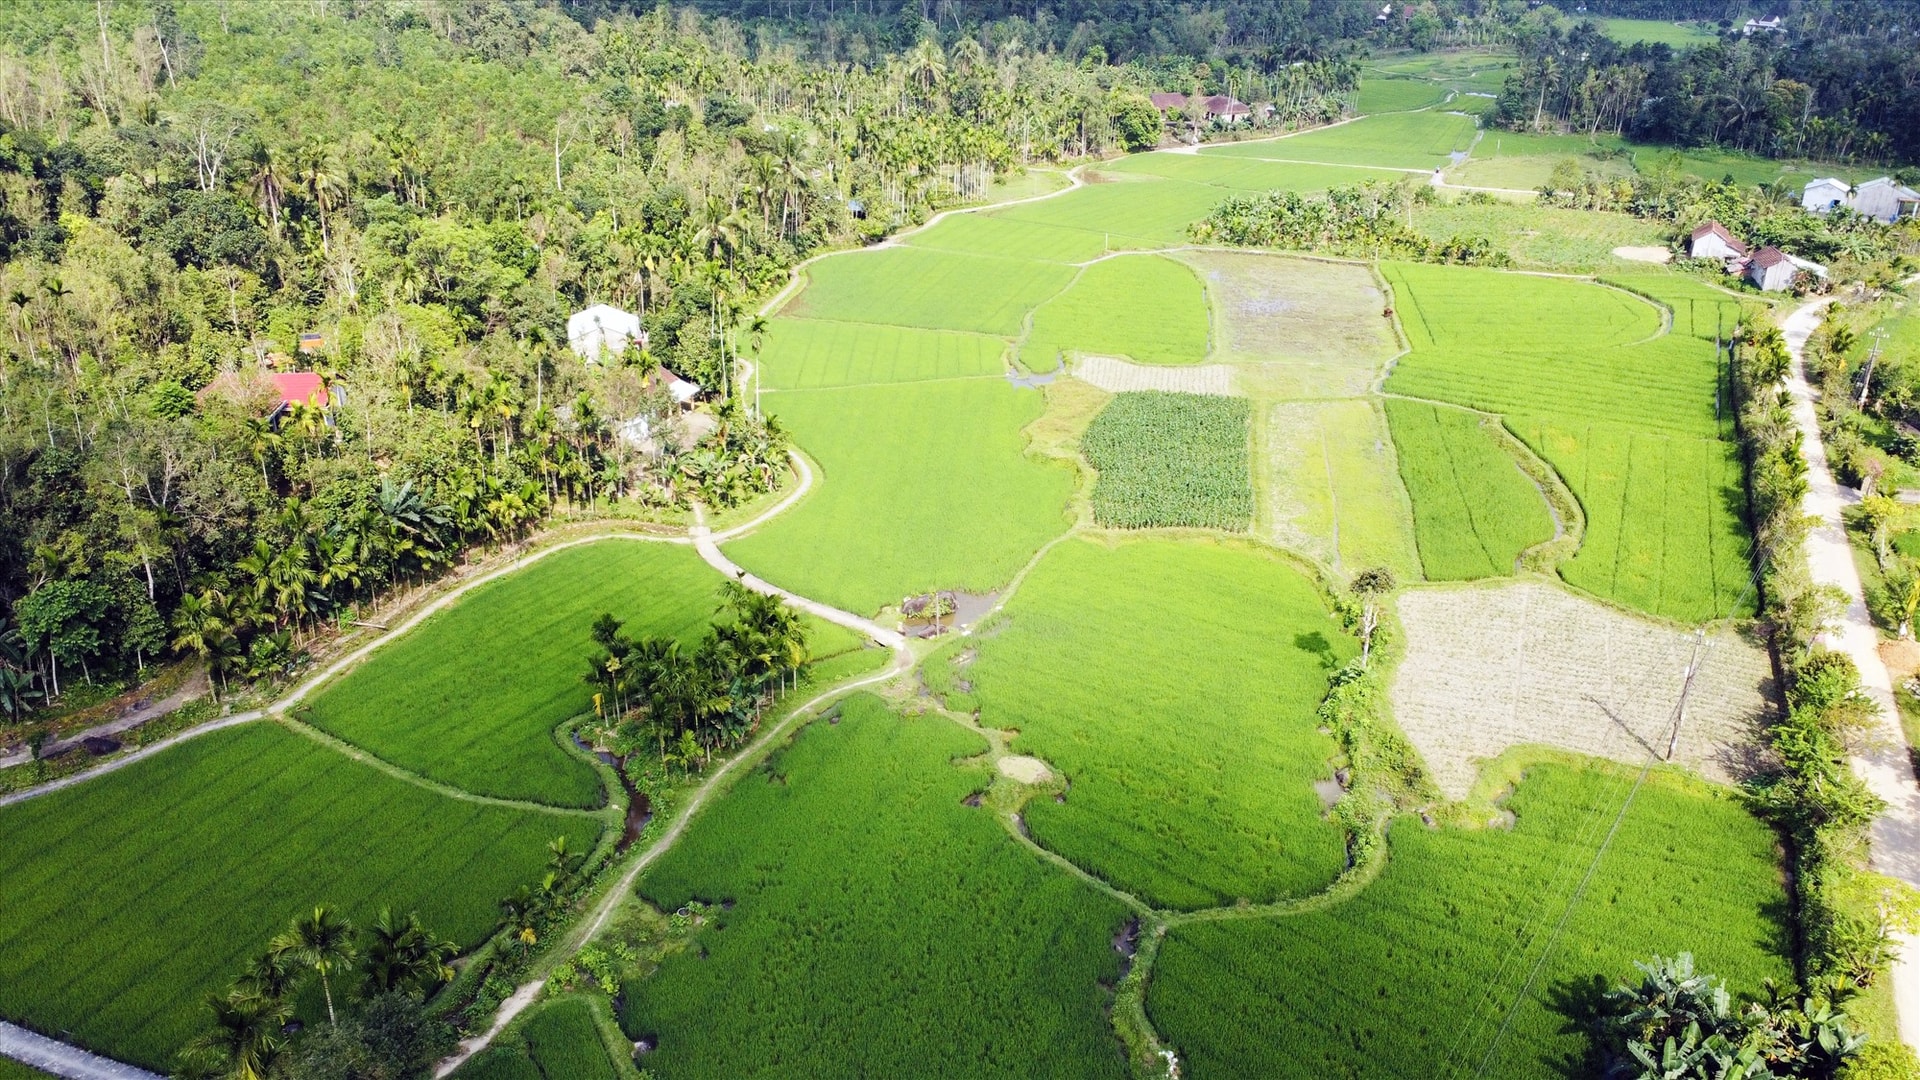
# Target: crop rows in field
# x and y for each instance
(1628, 421)
(471, 697)
(1171, 460)
(1665, 531)
(1173, 683)
(1488, 669)
(147, 888)
(1148, 308)
(1414, 977)
(922, 486)
(1474, 511)
(805, 354)
(878, 925)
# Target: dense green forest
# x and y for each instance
(187, 189)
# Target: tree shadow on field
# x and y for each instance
(1579, 1002)
(1317, 644)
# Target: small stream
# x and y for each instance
(639, 807)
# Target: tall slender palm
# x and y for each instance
(246, 1034)
(322, 941)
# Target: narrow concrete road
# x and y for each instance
(710, 551)
(62, 1060)
(1886, 766)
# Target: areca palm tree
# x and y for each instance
(402, 955)
(321, 941)
(246, 1035)
(271, 976)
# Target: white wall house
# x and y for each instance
(1825, 193)
(1886, 199)
(1713, 241)
(604, 331)
(1771, 269)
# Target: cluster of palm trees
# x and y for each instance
(252, 1021)
(310, 571)
(528, 910)
(694, 701)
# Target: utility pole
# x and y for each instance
(1878, 335)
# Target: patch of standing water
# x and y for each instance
(1032, 382)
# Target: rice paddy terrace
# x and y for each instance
(1110, 824)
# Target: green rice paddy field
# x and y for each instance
(1147, 308)
(1474, 511)
(1174, 683)
(1622, 410)
(921, 486)
(1416, 976)
(147, 888)
(877, 925)
(472, 696)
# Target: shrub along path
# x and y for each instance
(1886, 765)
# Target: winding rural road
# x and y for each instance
(1887, 765)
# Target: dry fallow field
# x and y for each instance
(1489, 668)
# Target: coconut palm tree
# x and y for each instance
(246, 1035)
(322, 941)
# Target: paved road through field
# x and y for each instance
(1886, 767)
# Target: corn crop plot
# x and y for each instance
(145, 889)
(1622, 410)
(1328, 486)
(471, 697)
(933, 290)
(1425, 974)
(1169, 460)
(1474, 511)
(1665, 531)
(987, 234)
(921, 486)
(1317, 326)
(1399, 95)
(868, 901)
(1408, 140)
(558, 1040)
(806, 354)
(1174, 684)
(1148, 308)
(1491, 668)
